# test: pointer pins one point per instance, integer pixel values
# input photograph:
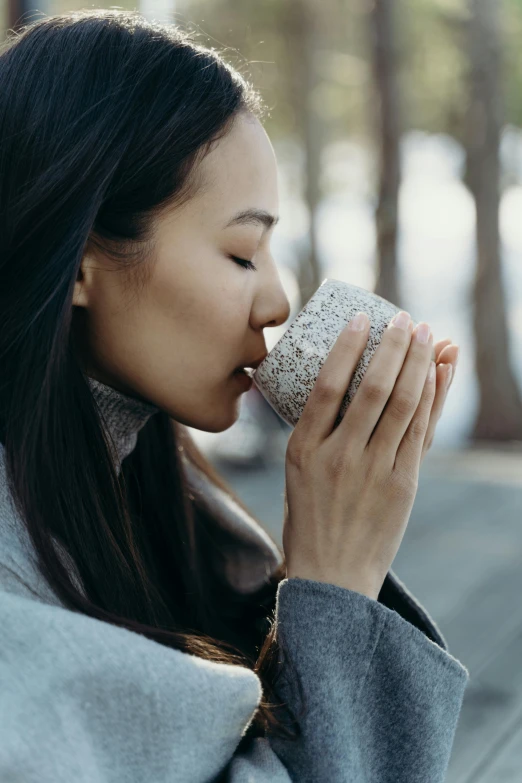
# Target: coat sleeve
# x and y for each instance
(376, 699)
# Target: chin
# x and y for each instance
(218, 422)
(225, 423)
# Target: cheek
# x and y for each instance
(200, 295)
(189, 332)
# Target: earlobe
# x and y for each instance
(79, 294)
(80, 288)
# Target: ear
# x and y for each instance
(83, 281)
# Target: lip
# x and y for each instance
(244, 377)
(253, 365)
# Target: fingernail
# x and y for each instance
(359, 322)
(422, 333)
(401, 320)
(450, 373)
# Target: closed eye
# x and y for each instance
(244, 263)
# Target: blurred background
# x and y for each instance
(397, 125)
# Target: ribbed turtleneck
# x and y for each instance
(123, 415)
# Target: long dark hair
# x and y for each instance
(103, 118)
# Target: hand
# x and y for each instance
(446, 353)
(350, 489)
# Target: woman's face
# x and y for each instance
(201, 315)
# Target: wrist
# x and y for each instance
(368, 587)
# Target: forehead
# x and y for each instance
(239, 172)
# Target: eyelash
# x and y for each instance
(244, 263)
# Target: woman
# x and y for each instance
(151, 629)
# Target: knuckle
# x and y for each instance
(325, 391)
(403, 404)
(404, 484)
(418, 428)
(297, 454)
(374, 391)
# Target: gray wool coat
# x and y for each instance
(82, 700)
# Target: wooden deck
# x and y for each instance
(462, 558)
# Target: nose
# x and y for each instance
(279, 306)
(272, 306)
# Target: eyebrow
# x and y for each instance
(256, 217)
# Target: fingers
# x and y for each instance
(377, 385)
(449, 355)
(447, 364)
(440, 345)
(409, 453)
(406, 395)
(322, 406)
(441, 392)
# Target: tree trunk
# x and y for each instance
(499, 415)
(301, 20)
(388, 111)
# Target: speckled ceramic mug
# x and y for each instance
(287, 375)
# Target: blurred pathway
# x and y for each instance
(462, 558)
